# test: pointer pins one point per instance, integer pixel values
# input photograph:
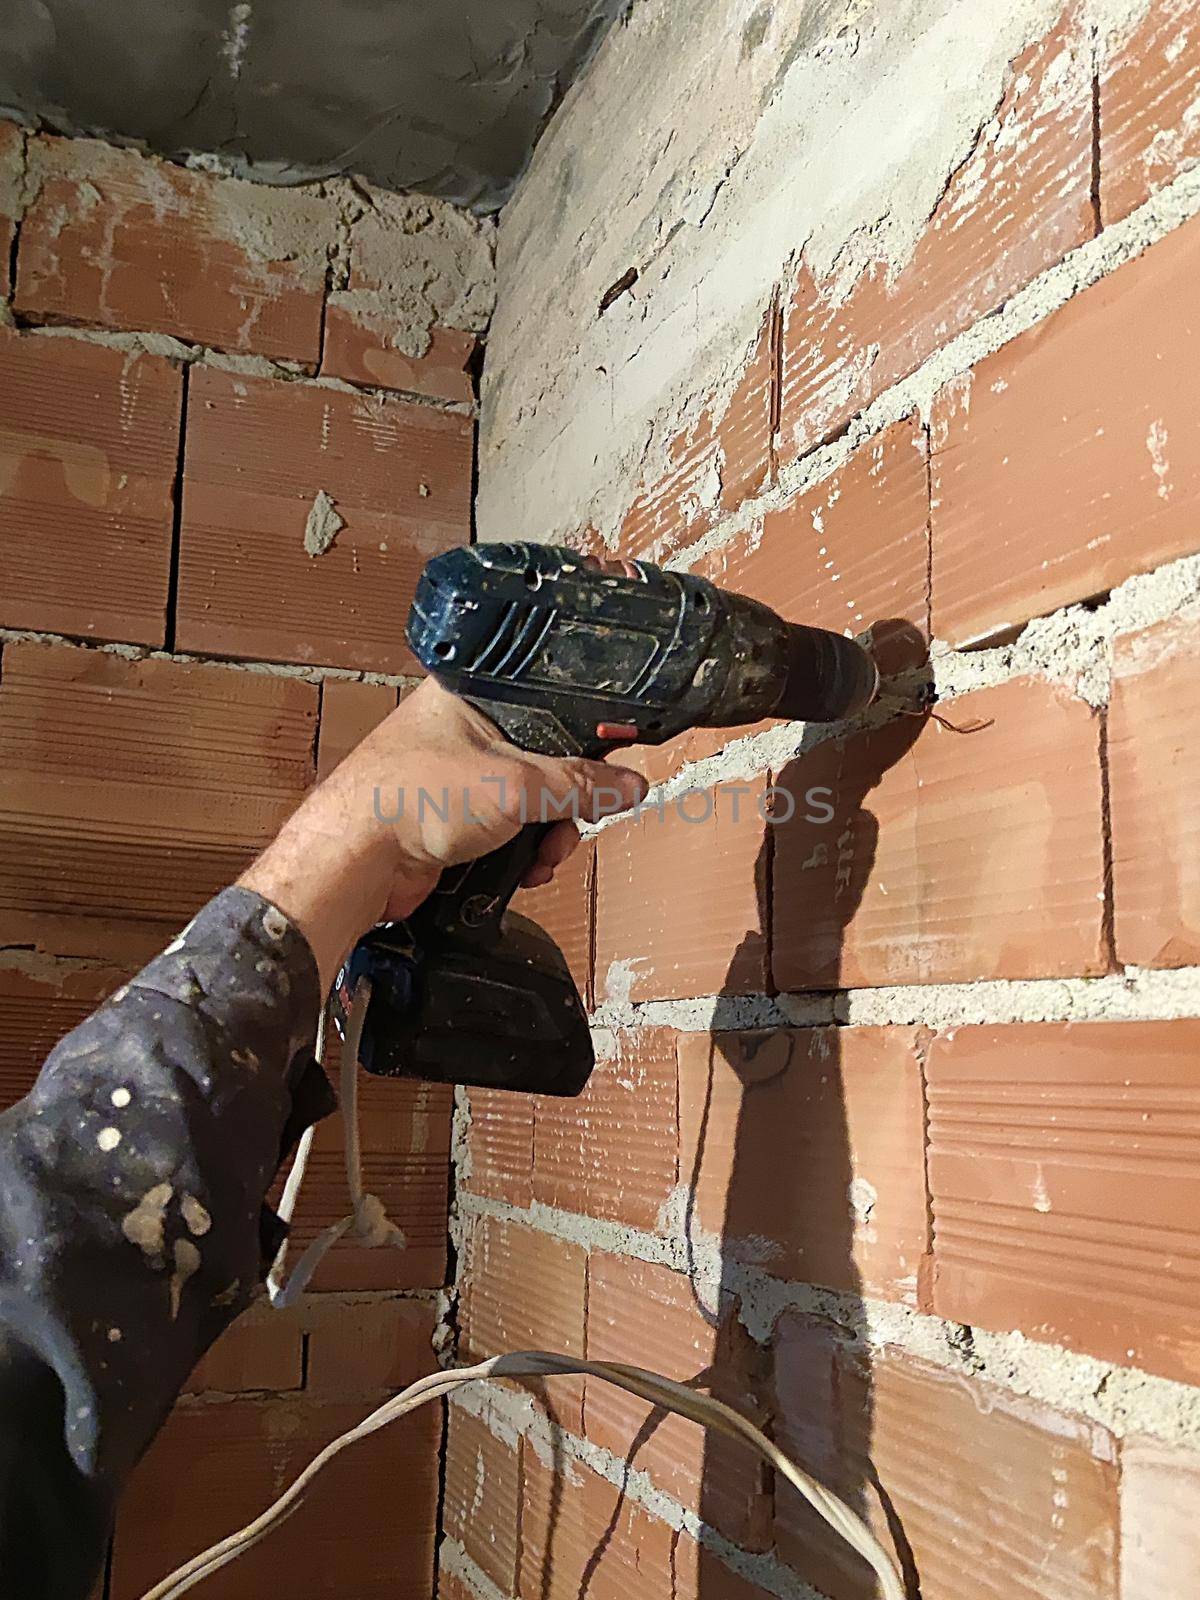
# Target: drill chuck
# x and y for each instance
(567, 657)
(828, 677)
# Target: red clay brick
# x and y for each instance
(580, 1535)
(1149, 107)
(405, 1132)
(698, 1574)
(715, 465)
(41, 1001)
(1052, 483)
(360, 1346)
(805, 1151)
(849, 554)
(482, 1497)
(524, 1290)
(1160, 1508)
(648, 1316)
(262, 1350)
(806, 1364)
(12, 160)
(450, 1587)
(258, 453)
(132, 791)
(613, 1152)
(564, 909)
(680, 898)
(500, 1146)
(366, 1527)
(949, 856)
(418, 287)
(89, 439)
(1018, 203)
(357, 348)
(1063, 1165)
(657, 763)
(1031, 1488)
(127, 241)
(1154, 718)
(349, 712)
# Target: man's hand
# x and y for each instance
(364, 848)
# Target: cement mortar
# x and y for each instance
(173, 349)
(271, 669)
(270, 225)
(415, 264)
(1120, 1400)
(324, 524)
(12, 178)
(445, 99)
(1089, 264)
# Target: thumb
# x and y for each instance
(592, 789)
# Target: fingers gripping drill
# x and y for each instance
(567, 658)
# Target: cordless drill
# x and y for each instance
(566, 656)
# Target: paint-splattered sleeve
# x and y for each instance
(133, 1223)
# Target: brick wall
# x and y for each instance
(894, 1130)
(187, 363)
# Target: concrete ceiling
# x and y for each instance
(443, 96)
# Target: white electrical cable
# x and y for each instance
(368, 1219)
(370, 1222)
(662, 1392)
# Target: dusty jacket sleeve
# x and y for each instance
(133, 1224)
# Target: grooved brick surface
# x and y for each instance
(563, 908)
(947, 856)
(805, 1367)
(89, 440)
(1017, 204)
(1150, 107)
(123, 240)
(40, 1002)
(850, 554)
(613, 1152)
(995, 1495)
(131, 791)
(499, 1162)
(523, 1290)
(1063, 1162)
(805, 1152)
(1071, 458)
(362, 1346)
(1160, 1508)
(482, 1497)
(349, 712)
(262, 1350)
(258, 453)
(721, 460)
(1154, 716)
(215, 1466)
(357, 348)
(649, 1316)
(680, 898)
(581, 1536)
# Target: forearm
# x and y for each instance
(133, 1228)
